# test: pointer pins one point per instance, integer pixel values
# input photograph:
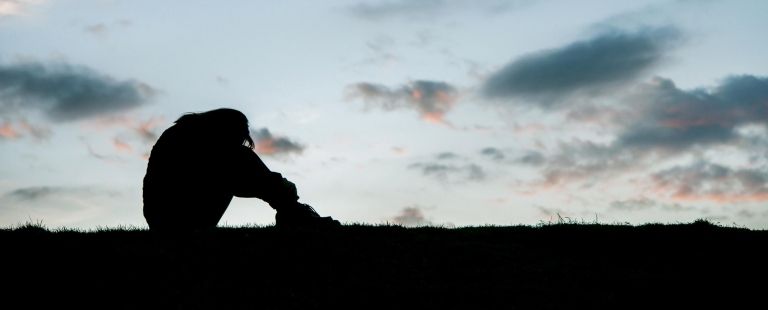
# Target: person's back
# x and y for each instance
(182, 179)
(200, 163)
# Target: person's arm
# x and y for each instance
(250, 178)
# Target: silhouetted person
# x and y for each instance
(201, 162)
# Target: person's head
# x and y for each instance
(228, 126)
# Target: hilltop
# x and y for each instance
(545, 266)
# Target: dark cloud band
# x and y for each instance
(68, 93)
(589, 67)
(470, 172)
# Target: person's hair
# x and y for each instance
(219, 118)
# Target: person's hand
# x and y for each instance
(290, 189)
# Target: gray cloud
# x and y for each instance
(658, 120)
(270, 145)
(98, 30)
(632, 204)
(102, 30)
(645, 204)
(586, 68)
(59, 206)
(432, 100)
(493, 153)
(584, 161)
(110, 159)
(33, 193)
(428, 9)
(68, 93)
(676, 207)
(703, 180)
(447, 155)
(532, 158)
(470, 172)
(36, 193)
(675, 119)
(476, 173)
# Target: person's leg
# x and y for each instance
(213, 208)
(258, 181)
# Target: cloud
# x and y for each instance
(400, 150)
(586, 68)
(427, 9)
(33, 193)
(709, 181)
(432, 100)
(37, 193)
(411, 216)
(532, 158)
(267, 144)
(98, 30)
(68, 93)
(146, 130)
(470, 172)
(493, 153)
(447, 155)
(658, 121)
(105, 158)
(646, 204)
(12, 7)
(674, 119)
(632, 204)
(60, 205)
(139, 138)
(101, 30)
(121, 146)
(22, 128)
(7, 131)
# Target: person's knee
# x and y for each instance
(289, 190)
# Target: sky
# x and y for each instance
(419, 112)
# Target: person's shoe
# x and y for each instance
(300, 214)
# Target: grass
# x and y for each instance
(552, 265)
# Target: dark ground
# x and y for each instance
(549, 266)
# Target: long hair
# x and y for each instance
(224, 120)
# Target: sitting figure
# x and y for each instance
(201, 162)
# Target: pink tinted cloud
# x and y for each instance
(146, 129)
(432, 100)
(528, 128)
(9, 132)
(400, 150)
(268, 144)
(18, 129)
(122, 146)
(411, 216)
